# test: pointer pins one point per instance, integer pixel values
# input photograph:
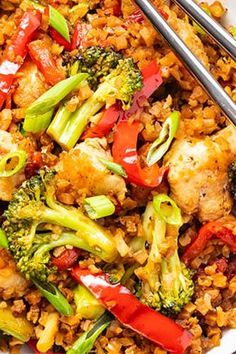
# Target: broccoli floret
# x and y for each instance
(166, 284)
(34, 205)
(232, 179)
(177, 287)
(120, 84)
(95, 61)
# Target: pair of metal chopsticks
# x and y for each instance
(215, 30)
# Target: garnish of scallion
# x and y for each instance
(99, 207)
(114, 167)
(58, 22)
(12, 163)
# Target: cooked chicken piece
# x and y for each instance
(12, 283)
(87, 173)
(29, 85)
(198, 174)
(8, 184)
(188, 35)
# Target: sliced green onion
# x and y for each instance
(3, 239)
(99, 207)
(55, 94)
(86, 341)
(167, 209)
(58, 22)
(114, 167)
(55, 297)
(38, 123)
(160, 146)
(8, 159)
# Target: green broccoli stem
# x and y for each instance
(66, 239)
(96, 239)
(66, 130)
(85, 342)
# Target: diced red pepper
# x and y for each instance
(214, 229)
(163, 14)
(106, 123)
(43, 58)
(34, 163)
(67, 259)
(136, 17)
(222, 264)
(124, 152)
(80, 34)
(151, 81)
(14, 54)
(133, 314)
(60, 40)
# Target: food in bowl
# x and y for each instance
(117, 183)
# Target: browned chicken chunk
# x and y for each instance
(198, 174)
(29, 85)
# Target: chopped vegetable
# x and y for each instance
(17, 327)
(170, 214)
(55, 94)
(9, 166)
(99, 206)
(15, 53)
(67, 259)
(37, 123)
(3, 239)
(233, 31)
(124, 152)
(151, 81)
(114, 167)
(86, 304)
(214, 229)
(86, 341)
(41, 55)
(161, 145)
(120, 84)
(105, 124)
(79, 36)
(166, 283)
(132, 313)
(34, 204)
(58, 22)
(54, 296)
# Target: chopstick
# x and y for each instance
(212, 27)
(204, 77)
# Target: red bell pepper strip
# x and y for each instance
(124, 152)
(67, 259)
(80, 34)
(59, 39)
(15, 53)
(132, 313)
(214, 229)
(151, 81)
(42, 57)
(106, 123)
